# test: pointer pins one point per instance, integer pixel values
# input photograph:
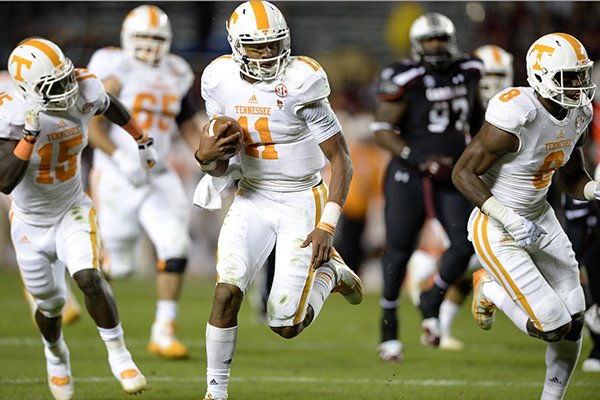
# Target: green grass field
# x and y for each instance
(335, 359)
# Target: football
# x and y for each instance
(214, 126)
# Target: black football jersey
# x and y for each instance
(442, 105)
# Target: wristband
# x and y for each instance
(146, 144)
(329, 217)
(205, 166)
(495, 209)
(590, 189)
(380, 126)
(24, 149)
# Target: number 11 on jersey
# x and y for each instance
(261, 126)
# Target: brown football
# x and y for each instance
(214, 126)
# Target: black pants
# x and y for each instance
(405, 214)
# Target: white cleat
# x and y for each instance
(481, 308)
(591, 365)
(58, 367)
(209, 396)
(348, 284)
(450, 343)
(132, 381)
(431, 332)
(390, 351)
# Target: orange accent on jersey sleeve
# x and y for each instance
(312, 63)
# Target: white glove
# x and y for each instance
(147, 154)
(523, 231)
(591, 191)
(32, 119)
(130, 167)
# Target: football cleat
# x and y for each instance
(481, 308)
(209, 396)
(58, 367)
(450, 343)
(132, 381)
(348, 284)
(390, 351)
(431, 332)
(591, 365)
(164, 343)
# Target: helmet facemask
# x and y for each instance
(438, 58)
(149, 49)
(574, 87)
(57, 91)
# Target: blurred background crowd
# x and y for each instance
(351, 39)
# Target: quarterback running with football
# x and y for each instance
(43, 130)
(530, 270)
(156, 86)
(282, 202)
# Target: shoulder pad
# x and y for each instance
(393, 78)
(12, 115)
(211, 76)
(510, 109)
(182, 70)
(106, 61)
(308, 78)
(470, 62)
(91, 88)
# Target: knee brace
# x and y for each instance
(576, 327)
(51, 307)
(175, 265)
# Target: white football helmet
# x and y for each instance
(498, 70)
(43, 74)
(255, 23)
(553, 56)
(428, 26)
(146, 35)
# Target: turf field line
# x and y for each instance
(307, 379)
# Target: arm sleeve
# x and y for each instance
(189, 108)
(321, 120)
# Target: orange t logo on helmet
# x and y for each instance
(20, 62)
(541, 49)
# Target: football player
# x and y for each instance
(156, 86)
(427, 105)
(43, 130)
(530, 270)
(289, 126)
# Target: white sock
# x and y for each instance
(448, 311)
(166, 311)
(220, 346)
(322, 286)
(57, 357)
(118, 355)
(497, 295)
(561, 359)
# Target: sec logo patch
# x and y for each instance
(281, 90)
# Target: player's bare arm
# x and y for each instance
(387, 116)
(336, 151)
(12, 168)
(479, 156)
(572, 176)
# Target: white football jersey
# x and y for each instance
(521, 180)
(52, 182)
(153, 95)
(280, 152)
